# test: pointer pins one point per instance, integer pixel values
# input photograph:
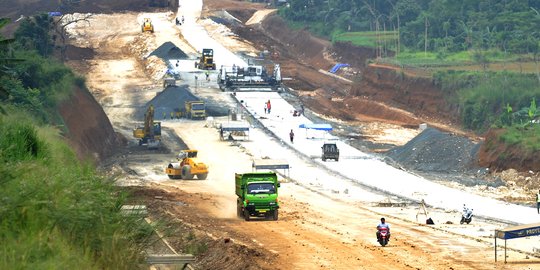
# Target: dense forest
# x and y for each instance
(434, 25)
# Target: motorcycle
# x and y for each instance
(383, 236)
(466, 217)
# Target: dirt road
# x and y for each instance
(315, 231)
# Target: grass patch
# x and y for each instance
(367, 39)
(458, 59)
(527, 137)
(56, 211)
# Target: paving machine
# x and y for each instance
(150, 133)
(252, 77)
(187, 167)
(147, 25)
(206, 60)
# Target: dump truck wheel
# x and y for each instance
(324, 159)
(171, 176)
(186, 172)
(246, 215)
(275, 215)
(202, 176)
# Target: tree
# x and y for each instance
(7, 60)
(33, 34)
(63, 22)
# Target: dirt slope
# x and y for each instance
(89, 130)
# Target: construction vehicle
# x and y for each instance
(252, 77)
(195, 109)
(257, 195)
(206, 60)
(147, 25)
(169, 82)
(187, 167)
(150, 133)
(330, 151)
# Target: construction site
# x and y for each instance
(206, 96)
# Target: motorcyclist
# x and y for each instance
(383, 224)
(469, 213)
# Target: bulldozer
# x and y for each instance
(147, 25)
(150, 133)
(187, 167)
(206, 60)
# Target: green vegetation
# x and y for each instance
(525, 137)
(55, 211)
(488, 36)
(485, 97)
(367, 39)
(431, 25)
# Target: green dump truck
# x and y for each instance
(257, 195)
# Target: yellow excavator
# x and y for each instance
(150, 133)
(147, 25)
(187, 167)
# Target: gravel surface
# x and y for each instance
(168, 51)
(436, 151)
(173, 98)
(442, 156)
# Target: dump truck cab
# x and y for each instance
(206, 60)
(195, 109)
(257, 195)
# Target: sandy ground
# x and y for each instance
(323, 229)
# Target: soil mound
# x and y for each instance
(357, 57)
(173, 98)
(168, 51)
(436, 151)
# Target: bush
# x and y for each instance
(483, 97)
(524, 137)
(55, 211)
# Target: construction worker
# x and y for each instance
(164, 115)
(207, 73)
(172, 115)
(538, 202)
(178, 115)
(268, 106)
(291, 136)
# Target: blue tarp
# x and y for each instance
(325, 127)
(337, 67)
(55, 14)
